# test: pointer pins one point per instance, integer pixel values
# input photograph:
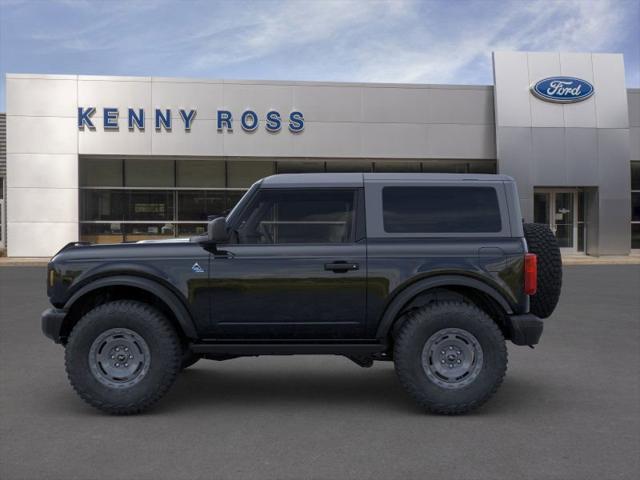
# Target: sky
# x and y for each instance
(403, 41)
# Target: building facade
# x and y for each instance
(3, 175)
(111, 159)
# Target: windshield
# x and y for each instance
(241, 204)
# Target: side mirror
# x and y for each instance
(217, 230)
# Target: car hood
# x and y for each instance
(78, 251)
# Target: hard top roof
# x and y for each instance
(358, 179)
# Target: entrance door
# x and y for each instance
(558, 209)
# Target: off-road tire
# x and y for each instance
(542, 242)
(416, 331)
(165, 355)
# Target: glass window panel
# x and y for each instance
(101, 232)
(199, 205)
(200, 173)
(299, 216)
(635, 175)
(398, 167)
(285, 166)
(635, 206)
(564, 208)
(564, 235)
(482, 167)
(440, 209)
(101, 172)
(581, 206)
(191, 229)
(581, 236)
(103, 205)
(244, 174)
(444, 166)
(149, 173)
(150, 205)
(541, 208)
(635, 235)
(135, 232)
(348, 166)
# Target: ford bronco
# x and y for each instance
(431, 271)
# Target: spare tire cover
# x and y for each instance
(542, 242)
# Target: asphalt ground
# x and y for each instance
(570, 409)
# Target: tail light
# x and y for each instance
(530, 273)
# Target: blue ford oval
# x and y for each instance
(562, 89)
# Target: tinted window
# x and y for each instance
(635, 207)
(635, 175)
(299, 216)
(440, 210)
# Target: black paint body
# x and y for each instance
(285, 293)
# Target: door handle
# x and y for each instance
(341, 267)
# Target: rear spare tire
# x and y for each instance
(543, 243)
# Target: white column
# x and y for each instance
(42, 164)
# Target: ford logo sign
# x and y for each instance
(562, 89)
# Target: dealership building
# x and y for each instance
(113, 159)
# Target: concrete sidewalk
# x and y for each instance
(566, 260)
(23, 261)
(605, 260)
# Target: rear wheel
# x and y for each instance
(122, 357)
(450, 356)
(542, 242)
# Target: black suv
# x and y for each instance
(430, 271)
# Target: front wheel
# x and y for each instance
(188, 358)
(122, 357)
(451, 357)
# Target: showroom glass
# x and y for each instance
(118, 196)
(440, 210)
(299, 216)
(149, 173)
(200, 204)
(135, 199)
(201, 174)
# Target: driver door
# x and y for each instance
(295, 269)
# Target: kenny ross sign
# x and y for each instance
(162, 119)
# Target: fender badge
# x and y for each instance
(197, 268)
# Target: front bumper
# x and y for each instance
(52, 320)
(525, 329)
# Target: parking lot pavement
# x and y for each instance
(570, 409)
